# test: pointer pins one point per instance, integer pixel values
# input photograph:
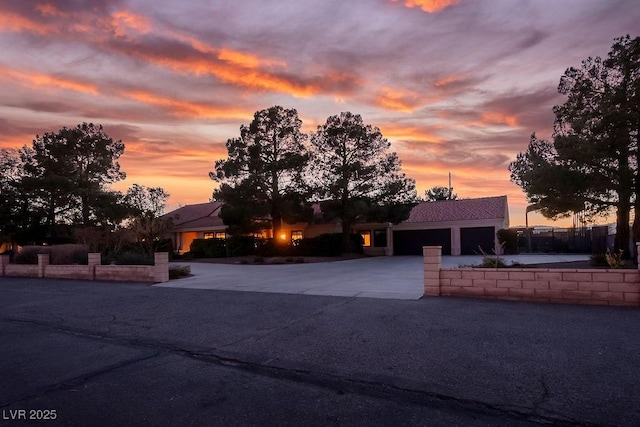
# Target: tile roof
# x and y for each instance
(459, 210)
(196, 216)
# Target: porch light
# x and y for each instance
(283, 236)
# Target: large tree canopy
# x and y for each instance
(354, 171)
(592, 165)
(60, 180)
(68, 170)
(261, 180)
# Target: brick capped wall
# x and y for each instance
(571, 286)
(93, 271)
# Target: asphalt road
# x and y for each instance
(129, 354)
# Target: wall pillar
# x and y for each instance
(432, 260)
(456, 243)
(94, 259)
(43, 262)
(388, 251)
(638, 252)
(161, 267)
(4, 261)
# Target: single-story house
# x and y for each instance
(460, 226)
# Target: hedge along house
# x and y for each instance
(459, 226)
(202, 221)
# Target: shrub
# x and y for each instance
(208, 248)
(133, 258)
(66, 254)
(599, 260)
(179, 271)
(273, 247)
(241, 245)
(29, 254)
(258, 259)
(69, 254)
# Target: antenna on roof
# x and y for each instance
(450, 187)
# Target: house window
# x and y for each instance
(366, 238)
(380, 238)
(296, 235)
(208, 235)
(221, 235)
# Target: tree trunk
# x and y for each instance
(622, 227)
(346, 236)
(635, 231)
(84, 199)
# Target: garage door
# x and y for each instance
(474, 237)
(410, 242)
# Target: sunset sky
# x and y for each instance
(456, 85)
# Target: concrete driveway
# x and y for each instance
(378, 277)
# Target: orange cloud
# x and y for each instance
(11, 22)
(247, 77)
(39, 79)
(397, 100)
(123, 20)
(495, 118)
(48, 9)
(183, 108)
(410, 133)
(429, 6)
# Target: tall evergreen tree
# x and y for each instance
(68, 170)
(592, 164)
(358, 176)
(261, 180)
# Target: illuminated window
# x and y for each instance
(366, 238)
(296, 235)
(208, 235)
(221, 235)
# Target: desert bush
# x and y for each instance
(179, 271)
(615, 260)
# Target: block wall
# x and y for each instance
(93, 271)
(570, 286)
